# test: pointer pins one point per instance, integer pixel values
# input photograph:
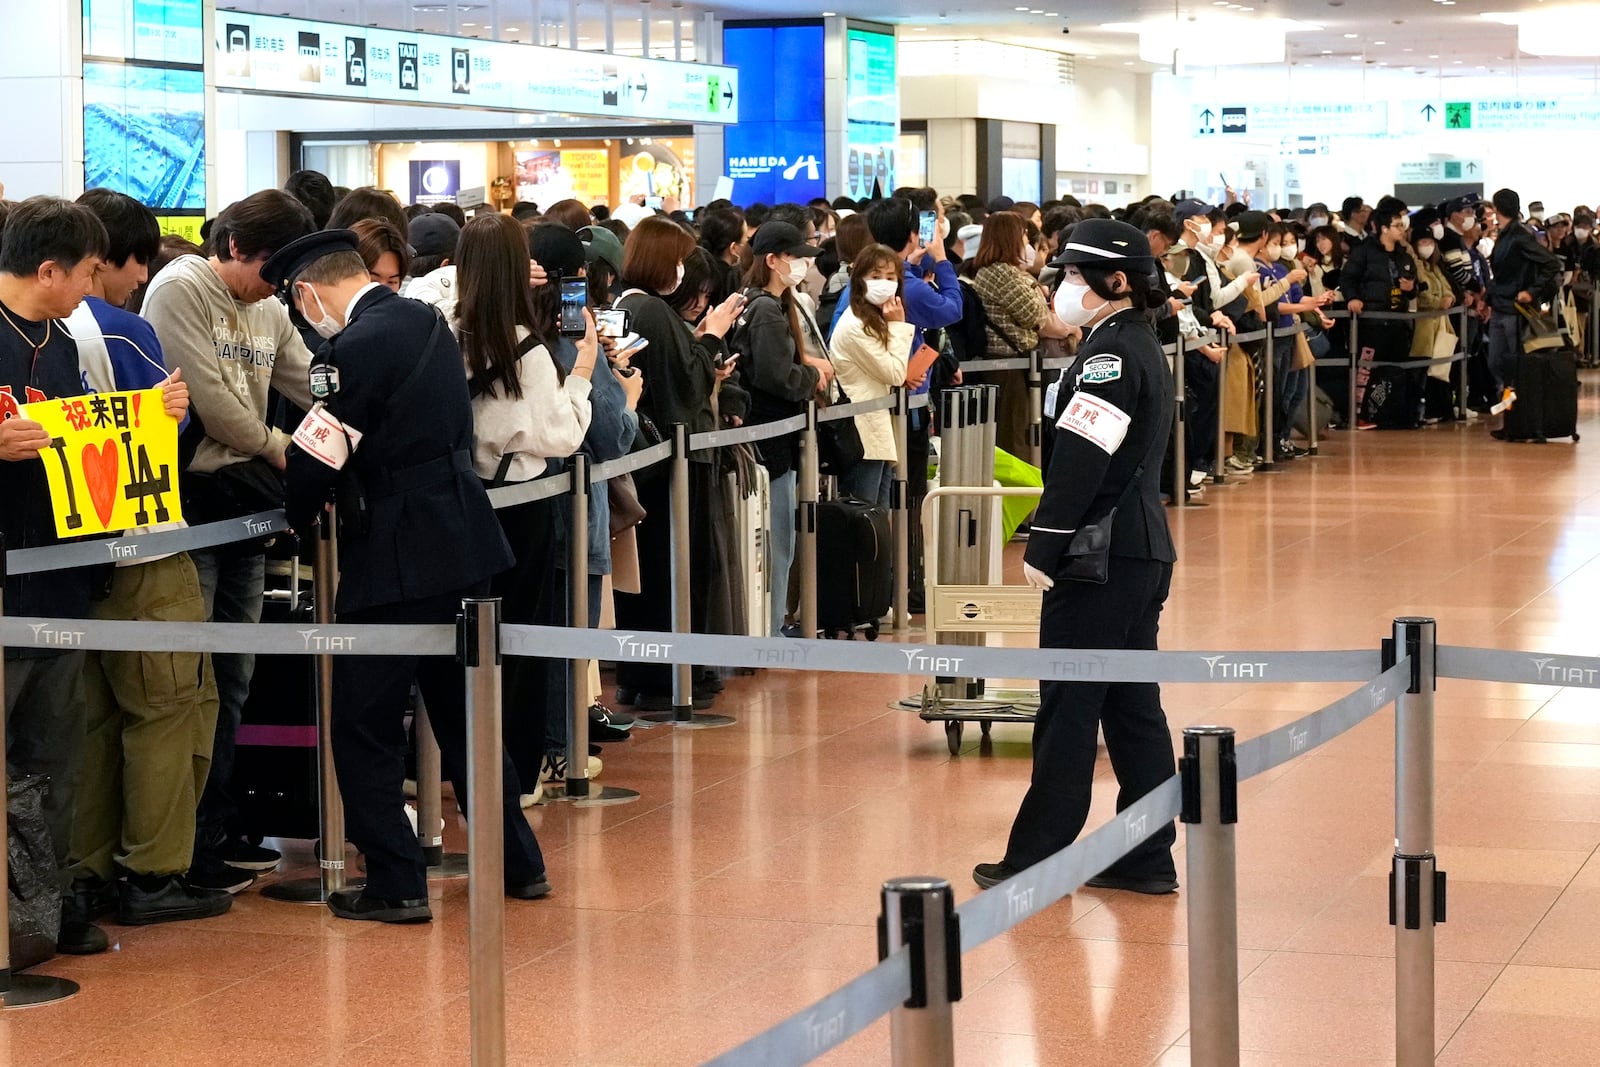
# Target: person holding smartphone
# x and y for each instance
(526, 409)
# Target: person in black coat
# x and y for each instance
(1110, 436)
(391, 432)
(1526, 275)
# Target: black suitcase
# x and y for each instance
(1547, 397)
(275, 765)
(855, 574)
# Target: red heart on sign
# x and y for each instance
(100, 472)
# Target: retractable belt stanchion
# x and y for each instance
(1219, 474)
(920, 913)
(682, 713)
(1269, 399)
(1210, 811)
(479, 639)
(1416, 885)
(579, 786)
(1180, 455)
(17, 990)
(1458, 373)
(430, 806)
(1311, 406)
(330, 806)
(1036, 407)
(900, 505)
(808, 493)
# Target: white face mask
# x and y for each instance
(1316, 222)
(327, 326)
(1437, 229)
(1217, 240)
(1425, 249)
(881, 290)
(1290, 250)
(675, 284)
(1028, 256)
(1271, 252)
(1486, 246)
(797, 271)
(1581, 233)
(1069, 305)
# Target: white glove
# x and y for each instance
(1037, 578)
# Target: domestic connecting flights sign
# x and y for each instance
(268, 54)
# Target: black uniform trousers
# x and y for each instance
(530, 594)
(369, 751)
(1123, 614)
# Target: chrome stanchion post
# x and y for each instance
(1416, 885)
(809, 491)
(1210, 811)
(479, 638)
(430, 807)
(1269, 400)
(1219, 474)
(330, 805)
(682, 713)
(578, 615)
(900, 505)
(1311, 405)
(920, 913)
(1036, 407)
(1459, 371)
(1180, 456)
(988, 401)
(17, 990)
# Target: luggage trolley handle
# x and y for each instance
(1018, 600)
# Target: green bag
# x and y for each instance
(1011, 471)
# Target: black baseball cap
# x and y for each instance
(284, 266)
(1188, 209)
(433, 234)
(1462, 203)
(781, 239)
(1250, 225)
(557, 249)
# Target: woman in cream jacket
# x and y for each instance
(871, 348)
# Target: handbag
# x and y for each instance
(839, 444)
(1543, 330)
(626, 511)
(1087, 557)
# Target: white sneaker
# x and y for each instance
(528, 800)
(554, 769)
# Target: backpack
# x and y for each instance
(969, 337)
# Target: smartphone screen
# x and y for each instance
(925, 224)
(574, 298)
(613, 322)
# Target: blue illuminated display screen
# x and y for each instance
(872, 112)
(779, 150)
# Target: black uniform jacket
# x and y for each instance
(431, 528)
(1117, 415)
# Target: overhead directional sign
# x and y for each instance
(1273, 121)
(268, 54)
(1434, 171)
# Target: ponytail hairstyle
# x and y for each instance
(758, 277)
(873, 258)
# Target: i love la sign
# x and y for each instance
(112, 461)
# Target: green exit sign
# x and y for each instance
(1458, 116)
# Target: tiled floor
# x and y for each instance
(743, 885)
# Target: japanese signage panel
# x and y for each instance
(269, 54)
(112, 463)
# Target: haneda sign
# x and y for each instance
(112, 461)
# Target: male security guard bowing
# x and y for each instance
(392, 430)
(1115, 415)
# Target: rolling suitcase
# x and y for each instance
(1547, 397)
(751, 502)
(855, 573)
(275, 763)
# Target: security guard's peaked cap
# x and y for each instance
(284, 266)
(1103, 242)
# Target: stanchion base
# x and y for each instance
(304, 890)
(452, 865)
(35, 990)
(598, 795)
(696, 721)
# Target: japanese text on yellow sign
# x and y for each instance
(112, 461)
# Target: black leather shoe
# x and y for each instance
(146, 901)
(359, 904)
(89, 899)
(989, 875)
(1154, 887)
(533, 889)
(79, 938)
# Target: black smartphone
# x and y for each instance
(574, 298)
(925, 226)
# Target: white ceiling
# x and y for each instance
(1423, 36)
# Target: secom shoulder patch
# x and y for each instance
(1098, 370)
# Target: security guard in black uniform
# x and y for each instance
(391, 436)
(1115, 414)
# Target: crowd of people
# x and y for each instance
(720, 317)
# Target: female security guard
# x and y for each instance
(1109, 443)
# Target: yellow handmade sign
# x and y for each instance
(112, 461)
